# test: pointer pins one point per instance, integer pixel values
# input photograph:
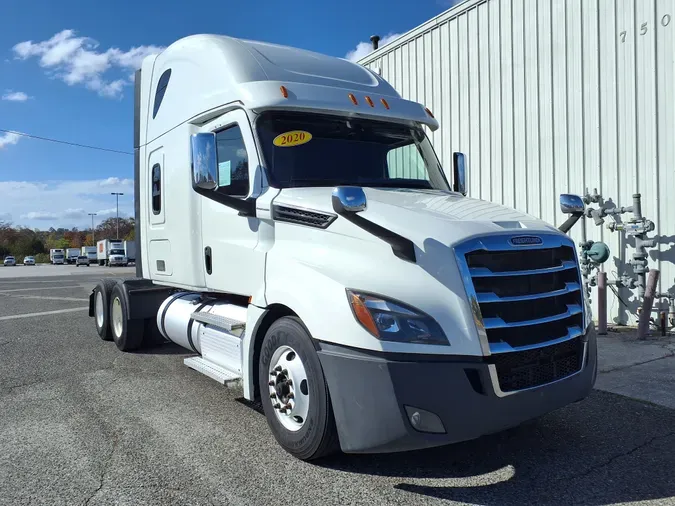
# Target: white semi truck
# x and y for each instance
(297, 233)
(72, 254)
(111, 253)
(57, 256)
(90, 253)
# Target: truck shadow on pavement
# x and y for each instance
(606, 449)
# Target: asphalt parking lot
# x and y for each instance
(82, 423)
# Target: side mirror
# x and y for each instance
(571, 204)
(459, 173)
(204, 165)
(349, 199)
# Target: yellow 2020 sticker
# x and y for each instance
(293, 138)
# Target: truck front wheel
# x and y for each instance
(294, 393)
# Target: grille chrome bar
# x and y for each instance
(482, 272)
(493, 297)
(572, 333)
(537, 288)
(498, 323)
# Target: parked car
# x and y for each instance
(28, 260)
(82, 260)
(9, 261)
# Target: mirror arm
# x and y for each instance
(569, 222)
(246, 207)
(403, 248)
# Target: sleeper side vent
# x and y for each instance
(301, 216)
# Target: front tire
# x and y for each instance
(127, 333)
(294, 393)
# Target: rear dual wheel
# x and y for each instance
(111, 313)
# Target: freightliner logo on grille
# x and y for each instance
(525, 240)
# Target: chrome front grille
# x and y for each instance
(525, 298)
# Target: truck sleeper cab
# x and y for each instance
(296, 232)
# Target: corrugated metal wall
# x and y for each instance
(554, 96)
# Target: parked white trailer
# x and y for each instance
(554, 97)
(367, 310)
(130, 251)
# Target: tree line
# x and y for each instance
(21, 241)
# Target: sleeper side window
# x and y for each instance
(232, 162)
(156, 189)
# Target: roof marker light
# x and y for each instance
(284, 91)
(370, 102)
(428, 112)
(384, 103)
(353, 99)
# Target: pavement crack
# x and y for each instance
(106, 468)
(611, 460)
(622, 367)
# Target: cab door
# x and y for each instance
(230, 259)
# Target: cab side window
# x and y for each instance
(232, 162)
(156, 189)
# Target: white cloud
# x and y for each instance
(15, 96)
(64, 203)
(363, 49)
(79, 61)
(7, 139)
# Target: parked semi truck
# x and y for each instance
(130, 251)
(57, 256)
(297, 233)
(90, 253)
(72, 254)
(111, 253)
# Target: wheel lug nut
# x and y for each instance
(288, 407)
(278, 368)
(282, 410)
(271, 383)
(291, 396)
(289, 383)
(273, 396)
(285, 372)
(277, 406)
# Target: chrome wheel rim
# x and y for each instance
(116, 316)
(288, 388)
(99, 310)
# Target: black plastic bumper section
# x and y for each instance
(374, 397)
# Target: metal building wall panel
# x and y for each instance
(550, 97)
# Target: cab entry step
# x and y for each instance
(213, 371)
(222, 322)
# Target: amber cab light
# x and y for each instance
(353, 99)
(385, 103)
(284, 91)
(428, 112)
(370, 102)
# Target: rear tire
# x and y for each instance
(127, 333)
(315, 435)
(102, 308)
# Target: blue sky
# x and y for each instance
(65, 72)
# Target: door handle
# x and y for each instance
(207, 259)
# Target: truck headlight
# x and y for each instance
(393, 321)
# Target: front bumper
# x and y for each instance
(117, 261)
(370, 392)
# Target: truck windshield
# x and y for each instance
(58, 257)
(346, 151)
(117, 252)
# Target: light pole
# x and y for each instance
(93, 241)
(117, 195)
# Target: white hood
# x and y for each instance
(423, 214)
